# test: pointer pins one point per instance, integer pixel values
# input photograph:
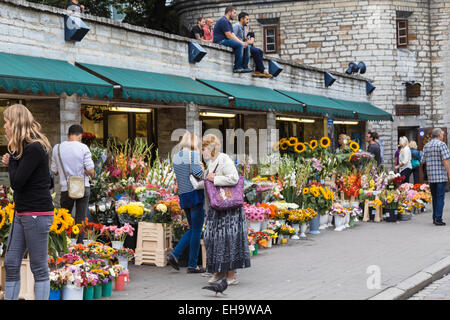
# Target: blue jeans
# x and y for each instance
(191, 238)
(240, 59)
(257, 55)
(438, 198)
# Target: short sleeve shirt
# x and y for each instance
(207, 33)
(221, 26)
(375, 150)
(434, 153)
(198, 30)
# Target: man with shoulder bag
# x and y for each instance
(72, 162)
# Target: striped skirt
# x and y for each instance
(226, 241)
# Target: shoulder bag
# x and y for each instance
(225, 198)
(75, 185)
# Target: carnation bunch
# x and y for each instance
(256, 213)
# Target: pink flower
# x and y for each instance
(112, 228)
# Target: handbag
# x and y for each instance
(75, 185)
(225, 198)
(196, 184)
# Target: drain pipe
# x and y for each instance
(431, 64)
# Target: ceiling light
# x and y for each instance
(128, 109)
(346, 122)
(217, 115)
(295, 120)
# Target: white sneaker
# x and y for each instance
(232, 281)
(215, 278)
(207, 274)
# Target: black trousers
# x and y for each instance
(81, 208)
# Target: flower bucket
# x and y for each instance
(255, 252)
(107, 289)
(73, 242)
(314, 225)
(98, 291)
(297, 228)
(87, 242)
(117, 244)
(323, 222)
(123, 261)
(390, 215)
(119, 283)
(303, 228)
(330, 220)
(55, 294)
(347, 221)
(88, 293)
(255, 225)
(264, 224)
(405, 217)
(339, 222)
(72, 293)
(269, 243)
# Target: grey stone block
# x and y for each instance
(414, 284)
(439, 269)
(389, 294)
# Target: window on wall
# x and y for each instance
(270, 39)
(402, 33)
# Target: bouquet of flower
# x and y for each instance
(130, 213)
(260, 238)
(124, 252)
(338, 210)
(286, 230)
(256, 213)
(90, 229)
(317, 196)
(390, 198)
(162, 213)
(116, 233)
(273, 209)
(101, 251)
(71, 276)
(56, 279)
(6, 219)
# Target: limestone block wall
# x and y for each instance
(330, 33)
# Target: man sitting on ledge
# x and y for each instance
(241, 31)
(223, 34)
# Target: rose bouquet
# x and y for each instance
(125, 253)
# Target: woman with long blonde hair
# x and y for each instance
(28, 166)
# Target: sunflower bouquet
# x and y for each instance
(6, 219)
(57, 241)
(317, 196)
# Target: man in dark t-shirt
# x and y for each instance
(223, 34)
(197, 31)
(374, 147)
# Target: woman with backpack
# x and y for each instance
(415, 161)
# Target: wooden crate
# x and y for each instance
(26, 279)
(154, 243)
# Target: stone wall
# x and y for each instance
(331, 33)
(37, 30)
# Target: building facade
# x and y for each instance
(401, 42)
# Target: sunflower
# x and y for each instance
(305, 191)
(301, 145)
(350, 158)
(315, 192)
(292, 141)
(75, 230)
(284, 145)
(354, 146)
(325, 142)
(313, 144)
(282, 140)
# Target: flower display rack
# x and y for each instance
(154, 243)
(26, 279)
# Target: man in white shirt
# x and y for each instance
(77, 161)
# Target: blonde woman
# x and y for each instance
(343, 142)
(225, 233)
(185, 163)
(28, 165)
(404, 159)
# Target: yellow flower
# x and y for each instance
(3, 218)
(315, 192)
(75, 230)
(284, 145)
(305, 191)
(276, 146)
(350, 158)
(354, 146)
(313, 144)
(292, 141)
(301, 145)
(325, 142)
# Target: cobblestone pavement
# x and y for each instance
(438, 290)
(331, 265)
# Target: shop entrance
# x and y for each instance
(412, 133)
(117, 124)
(222, 122)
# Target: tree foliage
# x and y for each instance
(153, 14)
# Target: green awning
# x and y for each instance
(319, 104)
(365, 110)
(25, 73)
(159, 87)
(339, 108)
(255, 98)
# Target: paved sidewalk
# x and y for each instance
(331, 265)
(438, 290)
